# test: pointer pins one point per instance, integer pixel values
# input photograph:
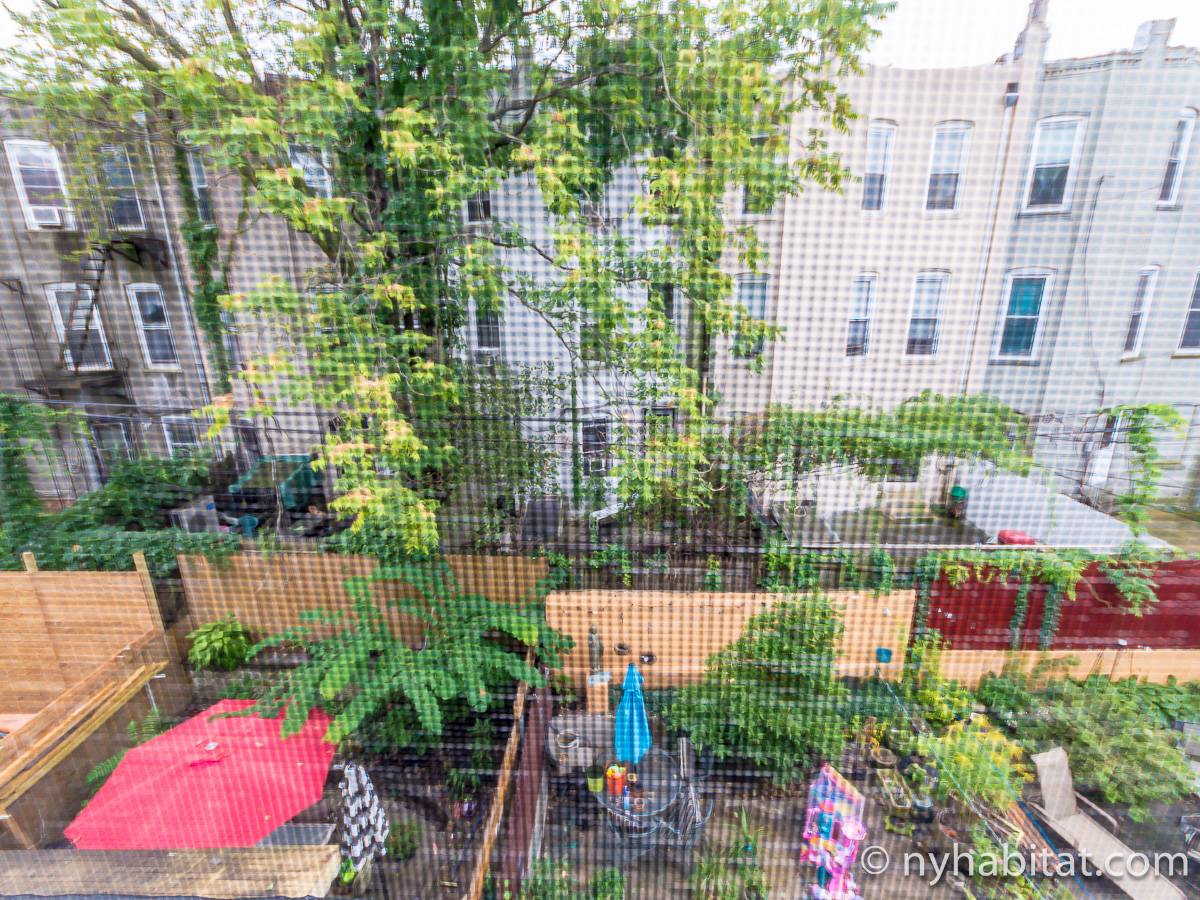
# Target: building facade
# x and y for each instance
(96, 308)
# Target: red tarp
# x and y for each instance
(207, 783)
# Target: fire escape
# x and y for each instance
(69, 375)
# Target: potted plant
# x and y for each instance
(461, 786)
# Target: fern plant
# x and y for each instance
(363, 671)
(222, 646)
(139, 733)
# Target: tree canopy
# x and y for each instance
(411, 108)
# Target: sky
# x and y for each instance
(938, 33)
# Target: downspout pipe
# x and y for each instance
(985, 257)
(173, 258)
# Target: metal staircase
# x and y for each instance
(83, 305)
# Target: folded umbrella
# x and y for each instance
(212, 781)
(631, 738)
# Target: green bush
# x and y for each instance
(768, 697)
(404, 839)
(607, 884)
(221, 646)
(1114, 736)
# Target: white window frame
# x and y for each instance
(596, 463)
(168, 421)
(889, 127)
(1143, 313)
(201, 190)
(65, 212)
(324, 189)
(488, 349)
(1193, 305)
(122, 425)
(1188, 117)
(871, 279)
(747, 278)
(1064, 205)
(52, 290)
(951, 127)
(1047, 289)
(944, 278)
(122, 153)
(131, 292)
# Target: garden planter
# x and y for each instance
(883, 758)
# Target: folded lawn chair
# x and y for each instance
(1101, 847)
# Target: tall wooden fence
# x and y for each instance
(56, 627)
(679, 631)
(269, 592)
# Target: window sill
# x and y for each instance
(1014, 361)
(1186, 354)
(1132, 357)
(942, 213)
(1034, 211)
(170, 370)
(1168, 207)
(916, 359)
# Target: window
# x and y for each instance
(124, 207)
(313, 168)
(752, 294)
(487, 330)
(859, 331)
(111, 442)
(879, 163)
(1142, 294)
(662, 295)
(80, 330)
(41, 187)
(200, 190)
(1191, 323)
(1168, 191)
(594, 439)
(181, 435)
(946, 165)
(1025, 292)
(591, 344)
(1052, 163)
(154, 326)
(658, 419)
(479, 207)
(754, 203)
(929, 290)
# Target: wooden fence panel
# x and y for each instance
(56, 627)
(682, 630)
(269, 592)
(969, 666)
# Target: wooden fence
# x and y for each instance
(44, 763)
(969, 666)
(681, 630)
(56, 627)
(269, 592)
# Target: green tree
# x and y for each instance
(415, 107)
(770, 695)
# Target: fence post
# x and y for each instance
(30, 561)
(143, 570)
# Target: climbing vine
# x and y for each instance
(1020, 613)
(208, 279)
(1140, 425)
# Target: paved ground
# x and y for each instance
(1182, 532)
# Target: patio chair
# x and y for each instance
(1060, 809)
(684, 823)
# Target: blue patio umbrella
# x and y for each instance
(631, 738)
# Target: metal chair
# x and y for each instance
(685, 821)
(630, 838)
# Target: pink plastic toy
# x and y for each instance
(833, 831)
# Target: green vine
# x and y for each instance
(1051, 615)
(210, 282)
(1020, 613)
(1139, 424)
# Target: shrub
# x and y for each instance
(404, 839)
(769, 696)
(221, 646)
(1114, 736)
(978, 762)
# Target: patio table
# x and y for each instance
(658, 775)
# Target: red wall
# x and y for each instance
(975, 616)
